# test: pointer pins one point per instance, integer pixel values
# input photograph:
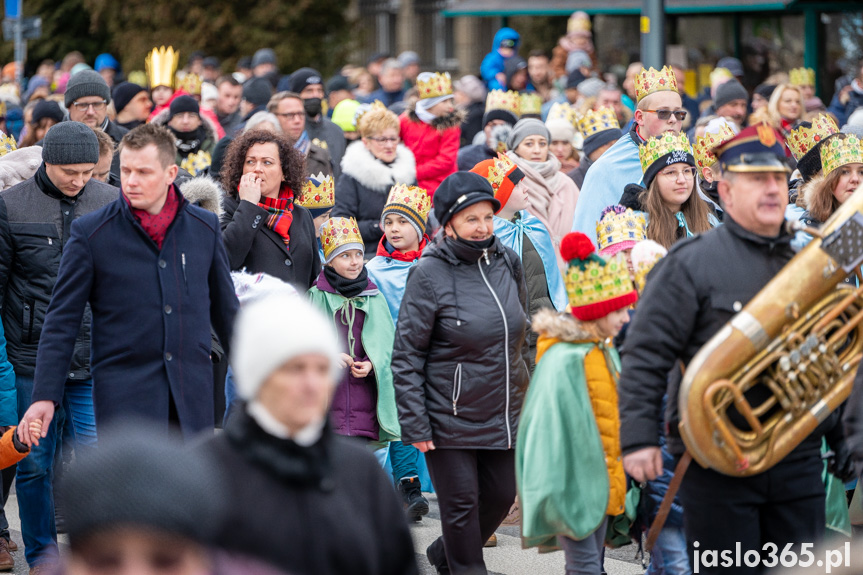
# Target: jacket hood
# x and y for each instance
(505, 34)
(441, 123)
(204, 192)
(359, 163)
(549, 323)
(161, 119)
(811, 190)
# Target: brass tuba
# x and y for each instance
(793, 349)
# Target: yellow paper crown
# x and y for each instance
(703, 149)
(434, 85)
(802, 139)
(592, 282)
(530, 104)
(649, 81)
(318, 192)
(578, 25)
(802, 77)
(563, 111)
(617, 227)
(161, 66)
(7, 144)
(644, 256)
(412, 198)
(594, 122)
(198, 162)
(500, 167)
(337, 232)
(509, 101)
(839, 151)
(667, 143)
(191, 83)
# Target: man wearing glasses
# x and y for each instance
(87, 98)
(659, 109)
(288, 108)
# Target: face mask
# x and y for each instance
(475, 244)
(312, 106)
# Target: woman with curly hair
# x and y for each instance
(263, 229)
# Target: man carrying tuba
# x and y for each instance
(702, 283)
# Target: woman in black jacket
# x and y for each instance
(460, 369)
(264, 230)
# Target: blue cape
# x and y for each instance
(391, 277)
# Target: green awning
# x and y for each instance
(567, 7)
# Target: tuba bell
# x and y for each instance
(786, 361)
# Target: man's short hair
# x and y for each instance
(390, 64)
(227, 78)
(538, 54)
(146, 134)
(106, 144)
(273, 104)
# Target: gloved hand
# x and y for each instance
(839, 462)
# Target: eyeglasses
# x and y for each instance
(664, 115)
(97, 106)
(672, 175)
(291, 115)
(385, 140)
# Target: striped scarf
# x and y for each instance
(281, 212)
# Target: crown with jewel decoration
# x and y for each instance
(318, 193)
(802, 139)
(596, 121)
(501, 166)
(620, 229)
(161, 66)
(508, 101)
(563, 111)
(197, 162)
(530, 104)
(191, 83)
(802, 77)
(595, 286)
(339, 232)
(667, 143)
(434, 85)
(7, 144)
(703, 149)
(650, 81)
(840, 150)
(411, 201)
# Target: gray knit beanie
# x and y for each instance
(86, 83)
(728, 92)
(524, 128)
(70, 143)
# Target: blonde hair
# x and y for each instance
(772, 109)
(374, 122)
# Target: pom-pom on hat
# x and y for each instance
(595, 287)
(619, 229)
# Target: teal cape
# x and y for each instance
(377, 338)
(560, 467)
(511, 234)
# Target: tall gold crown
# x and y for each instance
(667, 143)
(578, 25)
(500, 167)
(563, 111)
(622, 228)
(191, 83)
(649, 81)
(838, 151)
(434, 85)
(509, 101)
(530, 104)
(413, 198)
(7, 144)
(802, 77)
(802, 139)
(318, 192)
(703, 149)
(596, 121)
(161, 66)
(337, 232)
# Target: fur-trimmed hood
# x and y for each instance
(161, 119)
(359, 163)
(204, 192)
(549, 323)
(441, 123)
(810, 190)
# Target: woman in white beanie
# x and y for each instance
(302, 498)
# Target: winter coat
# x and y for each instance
(19, 165)
(330, 137)
(34, 230)
(494, 63)
(386, 98)
(843, 111)
(363, 188)
(469, 156)
(326, 509)
(435, 146)
(208, 144)
(116, 132)
(472, 124)
(8, 392)
(460, 361)
(318, 161)
(252, 246)
(578, 173)
(152, 311)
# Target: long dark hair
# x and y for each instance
(292, 161)
(662, 225)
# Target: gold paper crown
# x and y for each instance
(667, 143)
(593, 283)
(318, 193)
(703, 149)
(594, 122)
(191, 83)
(802, 77)
(649, 81)
(802, 139)
(578, 25)
(530, 104)
(563, 111)
(161, 66)
(197, 163)
(616, 227)
(838, 151)
(413, 198)
(644, 256)
(7, 144)
(337, 232)
(500, 167)
(434, 85)
(508, 101)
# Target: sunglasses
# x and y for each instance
(666, 114)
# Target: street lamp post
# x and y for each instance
(653, 33)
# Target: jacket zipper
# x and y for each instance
(456, 388)
(505, 344)
(183, 263)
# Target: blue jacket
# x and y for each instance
(152, 311)
(493, 63)
(8, 395)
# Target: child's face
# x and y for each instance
(400, 233)
(506, 51)
(319, 221)
(610, 325)
(348, 264)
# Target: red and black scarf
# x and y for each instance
(281, 212)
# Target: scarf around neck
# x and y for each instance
(281, 212)
(387, 250)
(303, 144)
(188, 142)
(347, 287)
(156, 226)
(44, 183)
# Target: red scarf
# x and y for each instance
(156, 226)
(281, 212)
(401, 256)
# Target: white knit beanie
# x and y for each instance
(272, 330)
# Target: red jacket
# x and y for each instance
(435, 149)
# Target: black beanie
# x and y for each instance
(676, 157)
(47, 109)
(809, 164)
(257, 91)
(459, 191)
(123, 94)
(728, 92)
(70, 143)
(304, 77)
(499, 114)
(595, 141)
(182, 104)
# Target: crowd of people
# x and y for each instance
(389, 283)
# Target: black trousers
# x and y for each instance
(475, 488)
(783, 505)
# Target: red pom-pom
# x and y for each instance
(576, 246)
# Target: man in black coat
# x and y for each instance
(692, 293)
(308, 84)
(154, 270)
